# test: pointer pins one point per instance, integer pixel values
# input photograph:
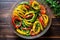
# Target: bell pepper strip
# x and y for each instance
(17, 12)
(23, 9)
(27, 3)
(33, 18)
(45, 18)
(27, 23)
(35, 5)
(42, 7)
(43, 10)
(22, 32)
(13, 21)
(27, 6)
(31, 1)
(23, 24)
(32, 33)
(28, 16)
(41, 20)
(34, 26)
(14, 13)
(26, 28)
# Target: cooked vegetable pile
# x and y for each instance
(29, 18)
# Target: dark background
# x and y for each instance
(6, 32)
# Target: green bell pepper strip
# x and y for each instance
(24, 2)
(33, 18)
(27, 23)
(23, 24)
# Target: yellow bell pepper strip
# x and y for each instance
(16, 25)
(33, 18)
(21, 11)
(27, 23)
(24, 9)
(35, 5)
(45, 19)
(39, 28)
(17, 12)
(22, 32)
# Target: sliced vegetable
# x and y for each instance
(29, 18)
(34, 16)
(43, 10)
(26, 28)
(38, 28)
(35, 5)
(27, 6)
(44, 20)
(16, 19)
(22, 32)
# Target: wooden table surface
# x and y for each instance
(6, 32)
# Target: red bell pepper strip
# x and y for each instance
(29, 16)
(26, 28)
(31, 1)
(32, 33)
(26, 6)
(43, 10)
(41, 20)
(13, 21)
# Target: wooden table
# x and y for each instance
(6, 32)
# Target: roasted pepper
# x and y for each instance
(33, 18)
(35, 5)
(16, 19)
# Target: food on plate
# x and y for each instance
(30, 18)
